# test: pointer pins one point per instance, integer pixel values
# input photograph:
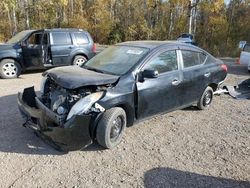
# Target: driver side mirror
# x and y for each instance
(149, 73)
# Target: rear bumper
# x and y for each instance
(66, 136)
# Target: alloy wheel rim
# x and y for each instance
(9, 69)
(207, 98)
(116, 128)
(80, 61)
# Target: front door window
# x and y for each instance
(164, 62)
(34, 40)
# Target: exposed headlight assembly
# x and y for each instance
(84, 104)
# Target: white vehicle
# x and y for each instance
(245, 56)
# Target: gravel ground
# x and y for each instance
(185, 148)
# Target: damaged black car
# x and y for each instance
(125, 83)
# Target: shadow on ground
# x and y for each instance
(14, 138)
(171, 178)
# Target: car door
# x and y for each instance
(61, 46)
(32, 50)
(196, 75)
(245, 55)
(160, 94)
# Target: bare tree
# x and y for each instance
(192, 9)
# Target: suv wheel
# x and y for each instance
(206, 98)
(79, 60)
(111, 127)
(9, 68)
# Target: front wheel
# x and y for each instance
(79, 60)
(206, 98)
(9, 68)
(111, 127)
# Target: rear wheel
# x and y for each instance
(9, 68)
(206, 98)
(111, 127)
(79, 60)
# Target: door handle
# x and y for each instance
(70, 47)
(207, 74)
(176, 82)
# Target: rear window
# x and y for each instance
(210, 59)
(247, 48)
(61, 38)
(191, 58)
(81, 38)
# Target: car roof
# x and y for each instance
(62, 30)
(152, 44)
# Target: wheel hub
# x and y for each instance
(9, 69)
(116, 128)
(80, 61)
(207, 98)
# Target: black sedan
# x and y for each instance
(123, 84)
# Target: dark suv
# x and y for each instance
(35, 49)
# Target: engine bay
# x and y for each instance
(61, 100)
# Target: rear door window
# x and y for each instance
(191, 58)
(61, 38)
(164, 62)
(81, 38)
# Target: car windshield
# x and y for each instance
(18, 37)
(116, 59)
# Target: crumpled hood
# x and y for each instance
(72, 77)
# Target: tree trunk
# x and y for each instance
(14, 21)
(26, 10)
(171, 22)
(9, 18)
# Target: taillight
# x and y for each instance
(224, 67)
(94, 48)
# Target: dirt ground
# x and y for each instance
(185, 148)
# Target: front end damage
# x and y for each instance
(64, 118)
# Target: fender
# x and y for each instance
(125, 100)
(13, 53)
(78, 52)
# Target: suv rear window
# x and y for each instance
(191, 58)
(81, 38)
(61, 38)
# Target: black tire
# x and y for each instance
(9, 68)
(249, 71)
(79, 60)
(109, 133)
(206, 98)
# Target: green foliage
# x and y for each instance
(217, 27)
(116, 35)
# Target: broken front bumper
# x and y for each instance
(72, 135)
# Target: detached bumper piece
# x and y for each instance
(72, 135)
